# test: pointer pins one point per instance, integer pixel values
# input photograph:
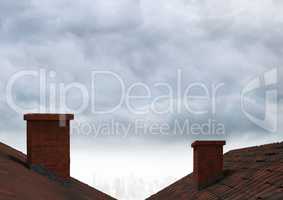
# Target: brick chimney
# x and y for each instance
(208, 162)
(48, 142)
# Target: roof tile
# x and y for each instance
(250, 173)
(18, 182)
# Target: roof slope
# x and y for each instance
(249, 173)
(18, 182)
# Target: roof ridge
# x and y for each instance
(253, 147)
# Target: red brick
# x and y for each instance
(208, 162)
(48, 142)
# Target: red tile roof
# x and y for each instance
(249, 173)
(18, 182)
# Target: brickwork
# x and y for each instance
(208, 162)
(48, 142)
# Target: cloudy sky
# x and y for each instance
(187, 61)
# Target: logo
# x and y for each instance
(266, 82)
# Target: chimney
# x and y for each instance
(208, 162)
(48, 142)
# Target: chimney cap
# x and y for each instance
(48, 117)
(208, 142)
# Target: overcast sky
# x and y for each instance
(211, 42)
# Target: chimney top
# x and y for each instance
(47, 117)
(207, 142)
(208, 162)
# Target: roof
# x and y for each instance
(17, 181)
(249, 173)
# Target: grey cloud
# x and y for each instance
(143, 41)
